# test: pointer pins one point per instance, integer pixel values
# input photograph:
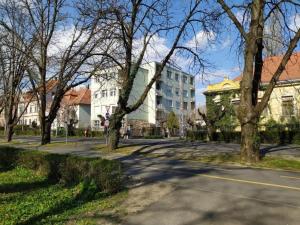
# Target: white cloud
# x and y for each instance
(295, 22)
(201, 39)
(63, 38)
(156, 50)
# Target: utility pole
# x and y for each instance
(181, 105)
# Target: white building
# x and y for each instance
(174, 91)
(77, 101)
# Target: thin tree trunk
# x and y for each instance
(250, 142)
(115, 125)
(9, 133)
(211, 133)
(46, 132)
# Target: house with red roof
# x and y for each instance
(284, 102)
(78, 101)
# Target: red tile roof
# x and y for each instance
(291, 72)
(77, 97)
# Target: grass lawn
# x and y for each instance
(29, 198)
(266, 162)
(123, 149)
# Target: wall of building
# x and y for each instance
(148, 110)
(84, 116)
(282, 93)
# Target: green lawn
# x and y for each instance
(274, 162)
(28, 198)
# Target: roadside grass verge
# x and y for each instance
(28, 198)
(44, 188)
(123, 149)
(274, 162)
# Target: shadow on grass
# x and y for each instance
(25, 186)
(81, 198)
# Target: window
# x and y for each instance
(35, 108)
(31, 109)
(169, 74)
(169, 103)
(104, 93)
(185, 105)
(113, 109)
(97, 79)
(192, 93)
(176, 76)
(287, 106)
(177, 105)
(169, 91)
(96, 123)
(177, 91)
(113, 92)
(185, 93)
(191, 80)
(192, 105)
(184, 79)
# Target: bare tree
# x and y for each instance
(256, 15)
(144, 20)
(71, 62)
(13, 64)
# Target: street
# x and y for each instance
(205, 194)
(192, 193)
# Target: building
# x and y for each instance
(77, 101)
(174, 91)
(284, 103)
(76, 106)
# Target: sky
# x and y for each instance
(219, 49)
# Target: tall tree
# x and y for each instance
(142, 21)
(70, 62)
(13, 63)
(251, 29)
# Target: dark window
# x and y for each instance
(287, 106)
(169, 74)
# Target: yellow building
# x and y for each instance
(284, 102)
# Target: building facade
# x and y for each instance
(174, 91)
(284, 103)
(76, 102)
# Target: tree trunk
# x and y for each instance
(211, 133)
(46, 132)
(115, 124)
(250, 142)
(9, 133)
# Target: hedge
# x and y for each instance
(67, 169)
(269, 136)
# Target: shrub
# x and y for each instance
(73, 170)
(44, 163)
(196, 135)
(8, 157)
(105, 175)
(296, 138)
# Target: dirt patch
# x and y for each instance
(142, 196)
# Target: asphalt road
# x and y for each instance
(214, 195)
(205, 194)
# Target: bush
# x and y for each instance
(296, 138)
(196, 135)
(73, 170)
(106, 175)
(8, 157)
